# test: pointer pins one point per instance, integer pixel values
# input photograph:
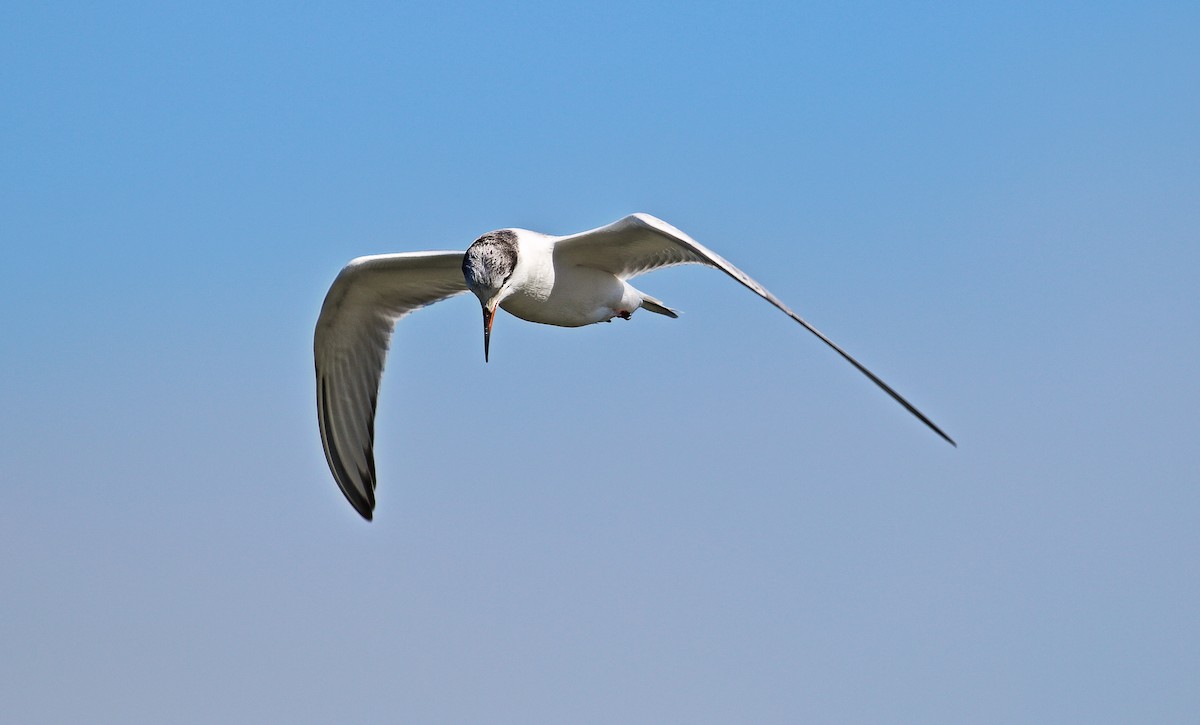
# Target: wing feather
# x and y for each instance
(351, 344)
(641, 243)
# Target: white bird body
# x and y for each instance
(568, 281)
(566, 295)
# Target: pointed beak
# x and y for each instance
(489, 316)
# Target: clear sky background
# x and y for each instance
(995, 206)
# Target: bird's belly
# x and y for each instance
(577, 297)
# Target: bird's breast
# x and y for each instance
(571, 297)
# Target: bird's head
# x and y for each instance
(488, 268)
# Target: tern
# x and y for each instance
(570, 281)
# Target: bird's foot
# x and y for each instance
(624, 314)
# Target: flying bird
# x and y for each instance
(568, 281)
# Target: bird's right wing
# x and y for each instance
(641, 243)
(350, 345)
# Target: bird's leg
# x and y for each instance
(624, 314)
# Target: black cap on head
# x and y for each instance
(490, 261)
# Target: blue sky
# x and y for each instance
(710, 519)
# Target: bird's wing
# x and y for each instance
(350, 345)
(641, 243)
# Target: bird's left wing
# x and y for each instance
(637, 244)
(641, 243)
(350, 345)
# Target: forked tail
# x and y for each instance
(656, 306)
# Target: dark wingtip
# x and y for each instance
(863, 369)
(364, 506)
(912, 409)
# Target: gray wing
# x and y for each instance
(350, 345)
(640, 243)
